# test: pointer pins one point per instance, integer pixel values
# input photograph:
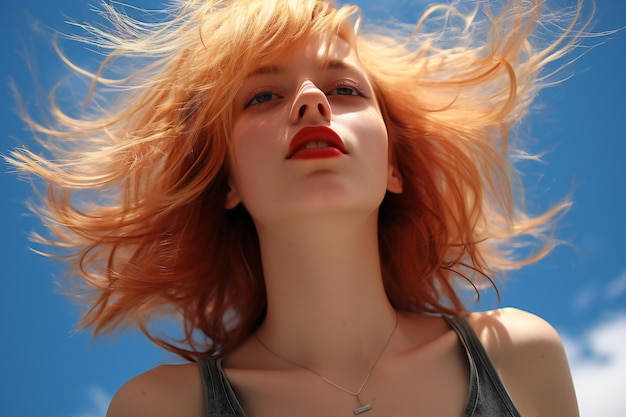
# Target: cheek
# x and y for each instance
(370, 128)
(373, 135)
(255, 144)
(242, 141)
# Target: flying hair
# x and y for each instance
(136, 183)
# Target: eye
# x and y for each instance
(261, 97)
(345, 91)
(347, 88)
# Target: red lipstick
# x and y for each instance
(314, 142)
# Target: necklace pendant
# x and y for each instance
(362, 409)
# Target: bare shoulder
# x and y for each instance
(514, 328)
(529, 356)
(166, 390)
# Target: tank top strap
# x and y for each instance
(219, 397)
(491, 397)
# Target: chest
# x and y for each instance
(431, 382)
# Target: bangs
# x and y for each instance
(260, 31)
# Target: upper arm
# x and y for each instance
(161, 392)
(529, 356)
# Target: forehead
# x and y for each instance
(317, 51)
(324, 48)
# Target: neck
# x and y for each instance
(327, 305)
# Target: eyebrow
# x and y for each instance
(326, 65)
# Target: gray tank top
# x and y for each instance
(486, 396)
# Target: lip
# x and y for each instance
(309, 134)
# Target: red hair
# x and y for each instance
(136, 193)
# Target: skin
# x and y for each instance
(327, 308)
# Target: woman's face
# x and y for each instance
(308, 137)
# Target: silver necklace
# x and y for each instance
(361, 408)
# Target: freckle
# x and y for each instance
(143, 393)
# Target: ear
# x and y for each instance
(232, 197)
(394, 179)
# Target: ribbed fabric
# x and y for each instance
(219, 396)
(486, 396)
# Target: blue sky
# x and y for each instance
(48, 370)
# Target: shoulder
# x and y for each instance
(529, 356)
(166, 390)
(514, 328)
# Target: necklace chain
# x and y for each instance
(361, 408)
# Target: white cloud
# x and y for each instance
(598, 363)
(584, 299)
(98, 402)
(589, 297)
(617, 287)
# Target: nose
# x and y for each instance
(310, 104)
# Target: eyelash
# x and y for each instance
(258, 93)
(352, 85)
(340, 84)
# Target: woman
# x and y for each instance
(309, 200)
